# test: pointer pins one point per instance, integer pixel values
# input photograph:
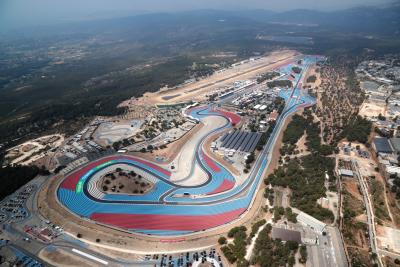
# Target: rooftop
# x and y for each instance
(286, 235)
(395, 142)
(382, 145)
(345, 172)
(315, 224)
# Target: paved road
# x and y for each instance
(370, 211)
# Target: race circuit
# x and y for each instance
(172, 208)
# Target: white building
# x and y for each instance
(311, 222)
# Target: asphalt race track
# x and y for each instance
(172, 209)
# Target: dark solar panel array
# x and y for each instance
(246, 147)
(224, 137)
(242, 141)
(230, 141)
(254, 144)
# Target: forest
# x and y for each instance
(358, 129)
(305, 175)
(306, 178)
(15, 177)
(300, 125)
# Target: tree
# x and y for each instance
(116, 145)
(311, 79)
(242, 263)
(296, 69)
(236, 230)
(303, 254)
(291, 261)
(292, 245)
(229, 255)
(222, 240)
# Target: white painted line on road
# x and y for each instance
(89, 256)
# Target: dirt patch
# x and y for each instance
(394, 207)
(276, 154)
(354, 227)
(351, 186)
(359, 257)
(62, 258)
(388, 238)
(372, 110)
(301, 146)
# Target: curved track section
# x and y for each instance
(172, 209)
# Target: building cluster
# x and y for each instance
(44, 233)
(388, 151)
(228, 91)
(306, 231)
(80, 144)
(259, 98)
(386, 71)
(380, 80)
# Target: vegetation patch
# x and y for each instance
(377, 193)
(280, 83)
(127, 182)
(274, 252)
(236, 251)
(267, 76)
(358, 129)
(353, 230)
(306, 178)
(295, 131)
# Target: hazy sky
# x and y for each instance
(16, 13)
